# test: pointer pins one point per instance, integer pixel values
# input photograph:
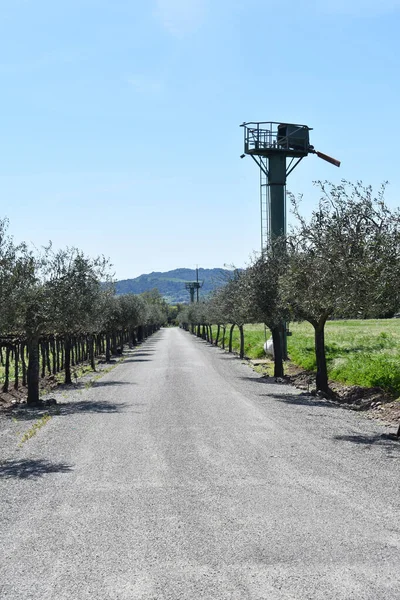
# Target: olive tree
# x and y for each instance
(17, 281)
(265, 298)
(342, 261)
(234, 304)
(218, 315)
(74, 289)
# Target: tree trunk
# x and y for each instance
(47, 348)
(33, 371)
(322, 370)
(16, 370)
(217, 334)
(7, 370)
(43, 355)
(278, 351)
(67, 360)
(241, 332)
(57, 355)
(108, 350)
(23, 363)
(223, 337)
(62, 346)
(53, 356)
(71, 354)
(231, 337)
(91, 353)
(114, 344)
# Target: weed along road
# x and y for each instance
(181, 474)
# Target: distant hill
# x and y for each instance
(171, 284)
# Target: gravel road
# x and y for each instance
(182, 474)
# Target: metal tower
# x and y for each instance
(270, 144)
(194, 285)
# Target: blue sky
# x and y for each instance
(120, 120)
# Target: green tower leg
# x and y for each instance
(277, 183)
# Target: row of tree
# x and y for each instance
(343, 261)
(60, 309)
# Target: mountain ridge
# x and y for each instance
(171, 284)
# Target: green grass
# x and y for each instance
(253, 340)
(34, 429)
(364, 352)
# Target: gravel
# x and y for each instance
(182, 473)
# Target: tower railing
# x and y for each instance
(270, 137)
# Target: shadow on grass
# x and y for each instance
(31, 469)
(336, 351)
(372, 346)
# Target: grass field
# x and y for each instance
(365, 353)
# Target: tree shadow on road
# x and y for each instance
(69, 408)
(133, 359)
(101, 383)
(90, 383)
(386, 440)
(112, 361)
(301, 400)
(30, 469)
(265, 380)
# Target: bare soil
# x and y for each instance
(13, 398)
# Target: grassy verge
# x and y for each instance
(365, 353)
(34, 429)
